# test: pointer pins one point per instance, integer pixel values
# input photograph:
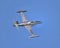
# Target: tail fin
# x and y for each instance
(16, 24)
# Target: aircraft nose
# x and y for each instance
(39, 22)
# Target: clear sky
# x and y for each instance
(47, 11)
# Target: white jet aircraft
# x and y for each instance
(27, 24)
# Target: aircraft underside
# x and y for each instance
(27, 24)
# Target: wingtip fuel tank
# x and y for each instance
(19, 11)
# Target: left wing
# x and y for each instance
(24, 19)
(22, 15)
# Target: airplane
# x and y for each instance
(27, 24)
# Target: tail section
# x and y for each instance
(16, 24)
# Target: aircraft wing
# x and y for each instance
(24, 19)
(29, 28)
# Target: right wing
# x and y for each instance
(29, 28)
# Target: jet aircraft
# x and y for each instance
(26, 23)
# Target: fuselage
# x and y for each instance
(28, 23)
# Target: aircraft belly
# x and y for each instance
(26, 24)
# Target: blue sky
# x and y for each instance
(47, 11)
